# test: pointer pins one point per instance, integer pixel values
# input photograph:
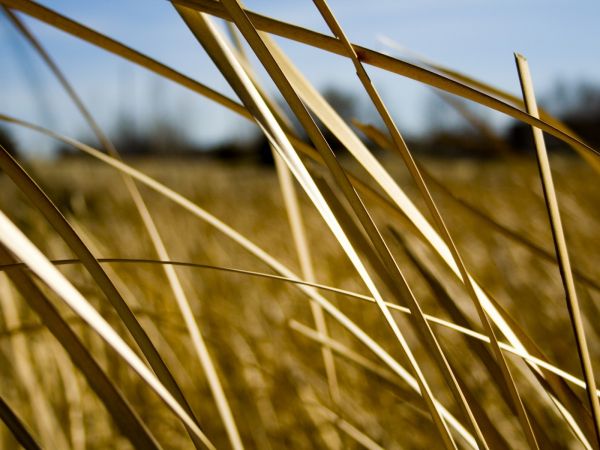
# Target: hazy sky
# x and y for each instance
(560, 38)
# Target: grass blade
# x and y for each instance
(560, 243)
(46, 419)
(255, 250)
(225, 59)
(17, 427)
(246, 91)
(14, 240)
(385, 62)
(300, 111)
(410, 163)
(157, 242)
(125, 418)
(60, 224)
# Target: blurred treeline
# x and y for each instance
(456, 129)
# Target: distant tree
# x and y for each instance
(456, 128)
(161, 137)
(257, 148)
(584, 117)
(346, 105)
(7, 142)
(577, 107)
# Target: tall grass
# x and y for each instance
(241, 370)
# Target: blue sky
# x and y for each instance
(560, 38)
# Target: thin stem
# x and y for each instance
(560, 243)
(402, 148)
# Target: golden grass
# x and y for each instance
(244, 349)
(235, 293)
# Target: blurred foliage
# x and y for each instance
(7, 142)
(273, 376)
(457, 129)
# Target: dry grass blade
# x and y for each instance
(230, 66)
(402, 148)
(253, 101)
(125, 418)
(388, 63)
(15, 241)
(540, 361)
(60, 224)
(252, 248)
(46, 418)
(294, 213)
(299, 109)
(17, 427)
(157, 242)
(560, 243)
(496, 92)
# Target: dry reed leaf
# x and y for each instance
(124, 416)
(496, 92)
(401, 147)
(259, 253)
(278, 138)
(15, 241)
(560, 243)
(35, 194)
(458, 317)
(159, 246)
(376, 59)
(17, 427)
(231, 67)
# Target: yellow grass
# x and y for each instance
(320, 306)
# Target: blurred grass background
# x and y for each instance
(273, 375)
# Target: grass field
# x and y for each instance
(273, 376)
(329, 301)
